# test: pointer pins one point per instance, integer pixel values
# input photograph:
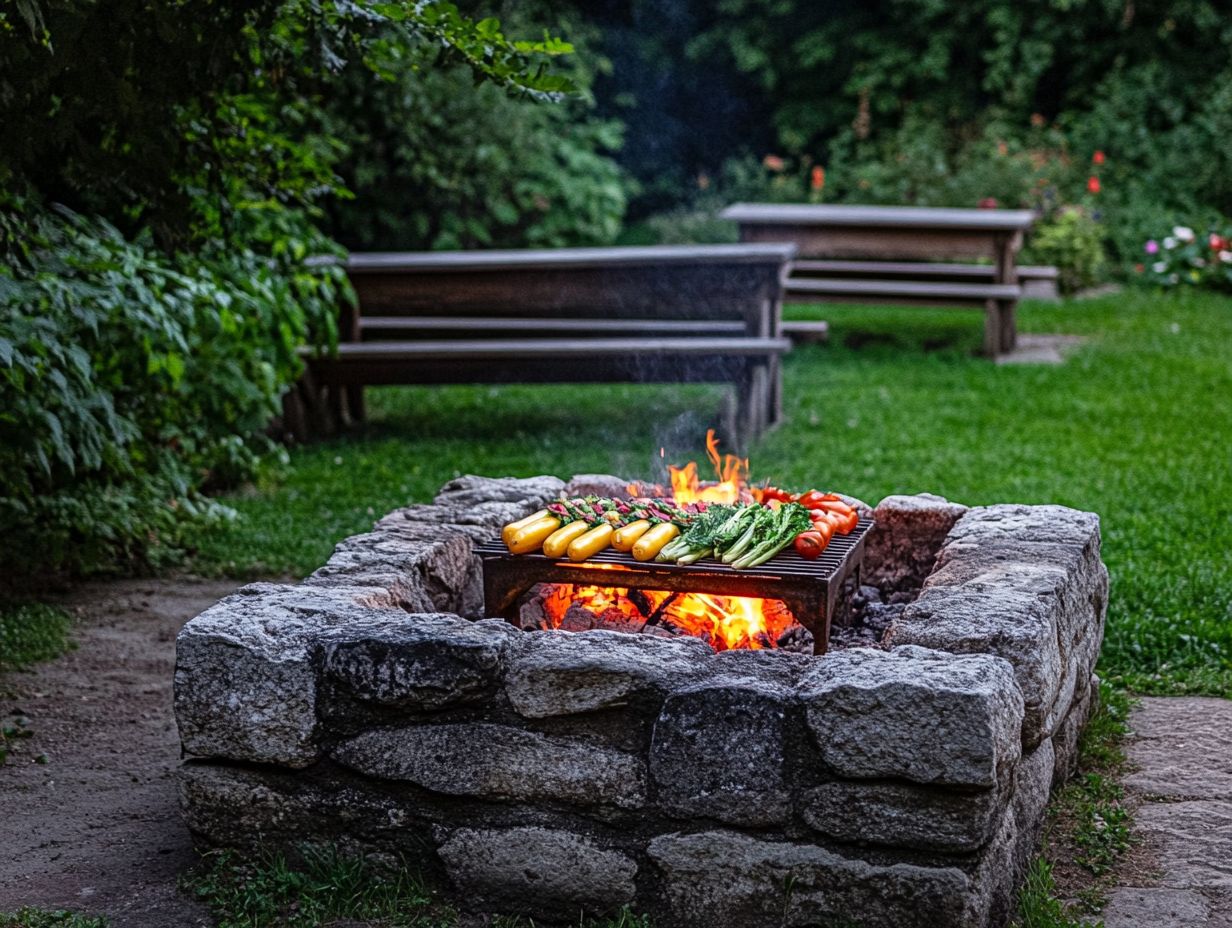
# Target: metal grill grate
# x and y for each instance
(809, 589)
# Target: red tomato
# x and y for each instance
(810, 545)
(849, 522)
(835, 505)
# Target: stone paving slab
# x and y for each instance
(1182, 751)
(1131, 907)
(1183, 748)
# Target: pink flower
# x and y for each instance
(1152, 247)
(1098, 157)
(1093, 184)
(773, 163)
(988, 203)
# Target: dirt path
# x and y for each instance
(97, 828)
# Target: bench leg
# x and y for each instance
(294, 418)
(1009, 327)
(992, 329)
(355, 403)
(774, 411)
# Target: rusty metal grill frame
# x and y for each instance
(809, 589)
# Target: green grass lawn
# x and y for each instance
(1137, 426)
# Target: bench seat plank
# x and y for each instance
(917, 270)
(529, 349)
(898, 289)
(495, 325)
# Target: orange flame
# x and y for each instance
(731, 473)
(723, 622)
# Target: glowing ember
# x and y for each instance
(724, 622)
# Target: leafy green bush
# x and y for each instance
(130, 379)
(434, 161)
(32, 632)
(1184, 258)
(1073, 242)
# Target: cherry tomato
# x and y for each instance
(810, 545)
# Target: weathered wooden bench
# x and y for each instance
(884, 254)
(665, 314)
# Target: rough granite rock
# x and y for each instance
(478, 523)
(1025, 585)
(415, 661)
(894, 814)
(537, 869)
(925, 716)
(1065, 739)
(719, 751)
(245, 685)
(499, 763)
(721, 879)
(1193, 840)
(903, 545)
(259, 808)
(471, 490)
(429, 569)
(597, 485)
(558, 673)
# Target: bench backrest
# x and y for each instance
(714, 282)
(902, 233)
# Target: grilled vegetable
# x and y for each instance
(773, 535)
(558, 542)
(508, 531)
(810, 545)
(531, 536)
(624, 538)
(591, 543)
(653, 540)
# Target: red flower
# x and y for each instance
(988, 203)
(773, 163)
(1098, 157)
(1218, 242)
(1093, 184)
(817, 178)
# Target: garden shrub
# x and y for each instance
(130, 380)
(1073, 242)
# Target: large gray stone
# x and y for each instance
(245, 686)
(560, 673)
(925, 716)
(415, 661)
(719, 751)
(1065, 740)
(479, 522)
(1025, 583)
(597, 485)
(426, 568)
(471, 490)
(263, 808)
(720, 879)
(499, 763)
(893, 814)
(1182, 748)
(539, 870)
(903, 544)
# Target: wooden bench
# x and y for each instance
(665, 314)
(884, 254)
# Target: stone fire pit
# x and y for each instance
(547, 773)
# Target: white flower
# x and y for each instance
(1159, 267)
(1169, 242)
(1198, 262)
(1184, 233)
(1225, 256)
